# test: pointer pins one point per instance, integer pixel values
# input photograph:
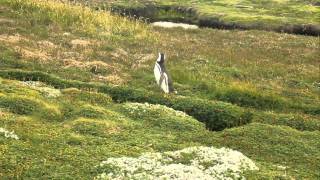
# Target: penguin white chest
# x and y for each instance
(157, 73)
(161, 78)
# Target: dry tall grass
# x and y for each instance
(81, 18)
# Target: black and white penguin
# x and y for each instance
(162, 77)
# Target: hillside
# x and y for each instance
(78, 98)
(290, 16)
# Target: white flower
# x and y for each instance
(8, 134)
(143, 108)
(189, 163)
(47, 91)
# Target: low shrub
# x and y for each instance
(314, 110)
(89, 112)
(253, 99)
(45, 78)
(93, 127)
(292, 120)
(28, 106)
(215, 115)
(18, 105)
(159, 116)
(85, 96)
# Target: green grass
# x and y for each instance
(278, 15)
(83, 140)
(259, 89)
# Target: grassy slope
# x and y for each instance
(271, 12)
(67, 136)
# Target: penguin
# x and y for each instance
(162, 77)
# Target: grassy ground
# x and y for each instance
(271, 12)
(275, 15)
(67, 130)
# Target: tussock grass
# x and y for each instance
(293, 120)
(89, 97)
(250, 98)
(19, 105)
(80, 18)
(95, 127)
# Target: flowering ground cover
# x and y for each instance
(8, 134)
(190, 163)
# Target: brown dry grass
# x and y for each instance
(2, 114)
(79, 57)
(12, 39)
(143, 60)
(46, 44)
(32, 54)
(6, 21)
(114, 79)
(80, 43)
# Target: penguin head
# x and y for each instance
(161, 58)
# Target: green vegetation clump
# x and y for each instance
(94, 127)
(261, 140)
(252, 99)
(159, 116)
(93, 98)
(295, 121)
(19, 105)
(216, 115)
